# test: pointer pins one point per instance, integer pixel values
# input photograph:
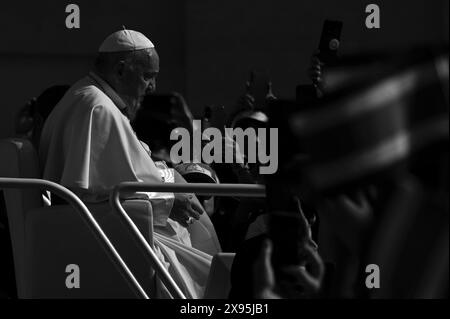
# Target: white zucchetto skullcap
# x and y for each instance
(125, 40)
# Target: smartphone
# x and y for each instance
(330, 41)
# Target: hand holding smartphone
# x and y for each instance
(330, 41)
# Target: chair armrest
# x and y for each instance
(243, 190)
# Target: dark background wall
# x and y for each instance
(207, 48)
(38, 51)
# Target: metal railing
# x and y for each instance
(242, 190)
(86, 215)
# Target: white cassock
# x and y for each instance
(88, 146)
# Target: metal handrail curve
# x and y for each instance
(86, 215)
(242, 190)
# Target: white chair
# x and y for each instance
(47, 239)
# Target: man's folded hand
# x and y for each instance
(186, 209)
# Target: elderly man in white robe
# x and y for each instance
(88, 145)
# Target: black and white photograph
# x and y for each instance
(225, 155)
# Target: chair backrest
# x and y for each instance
(19, 159)
(45, 240)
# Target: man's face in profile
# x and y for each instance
(138, 78)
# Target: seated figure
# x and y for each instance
(89, 146)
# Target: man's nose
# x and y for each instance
(151, 87)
